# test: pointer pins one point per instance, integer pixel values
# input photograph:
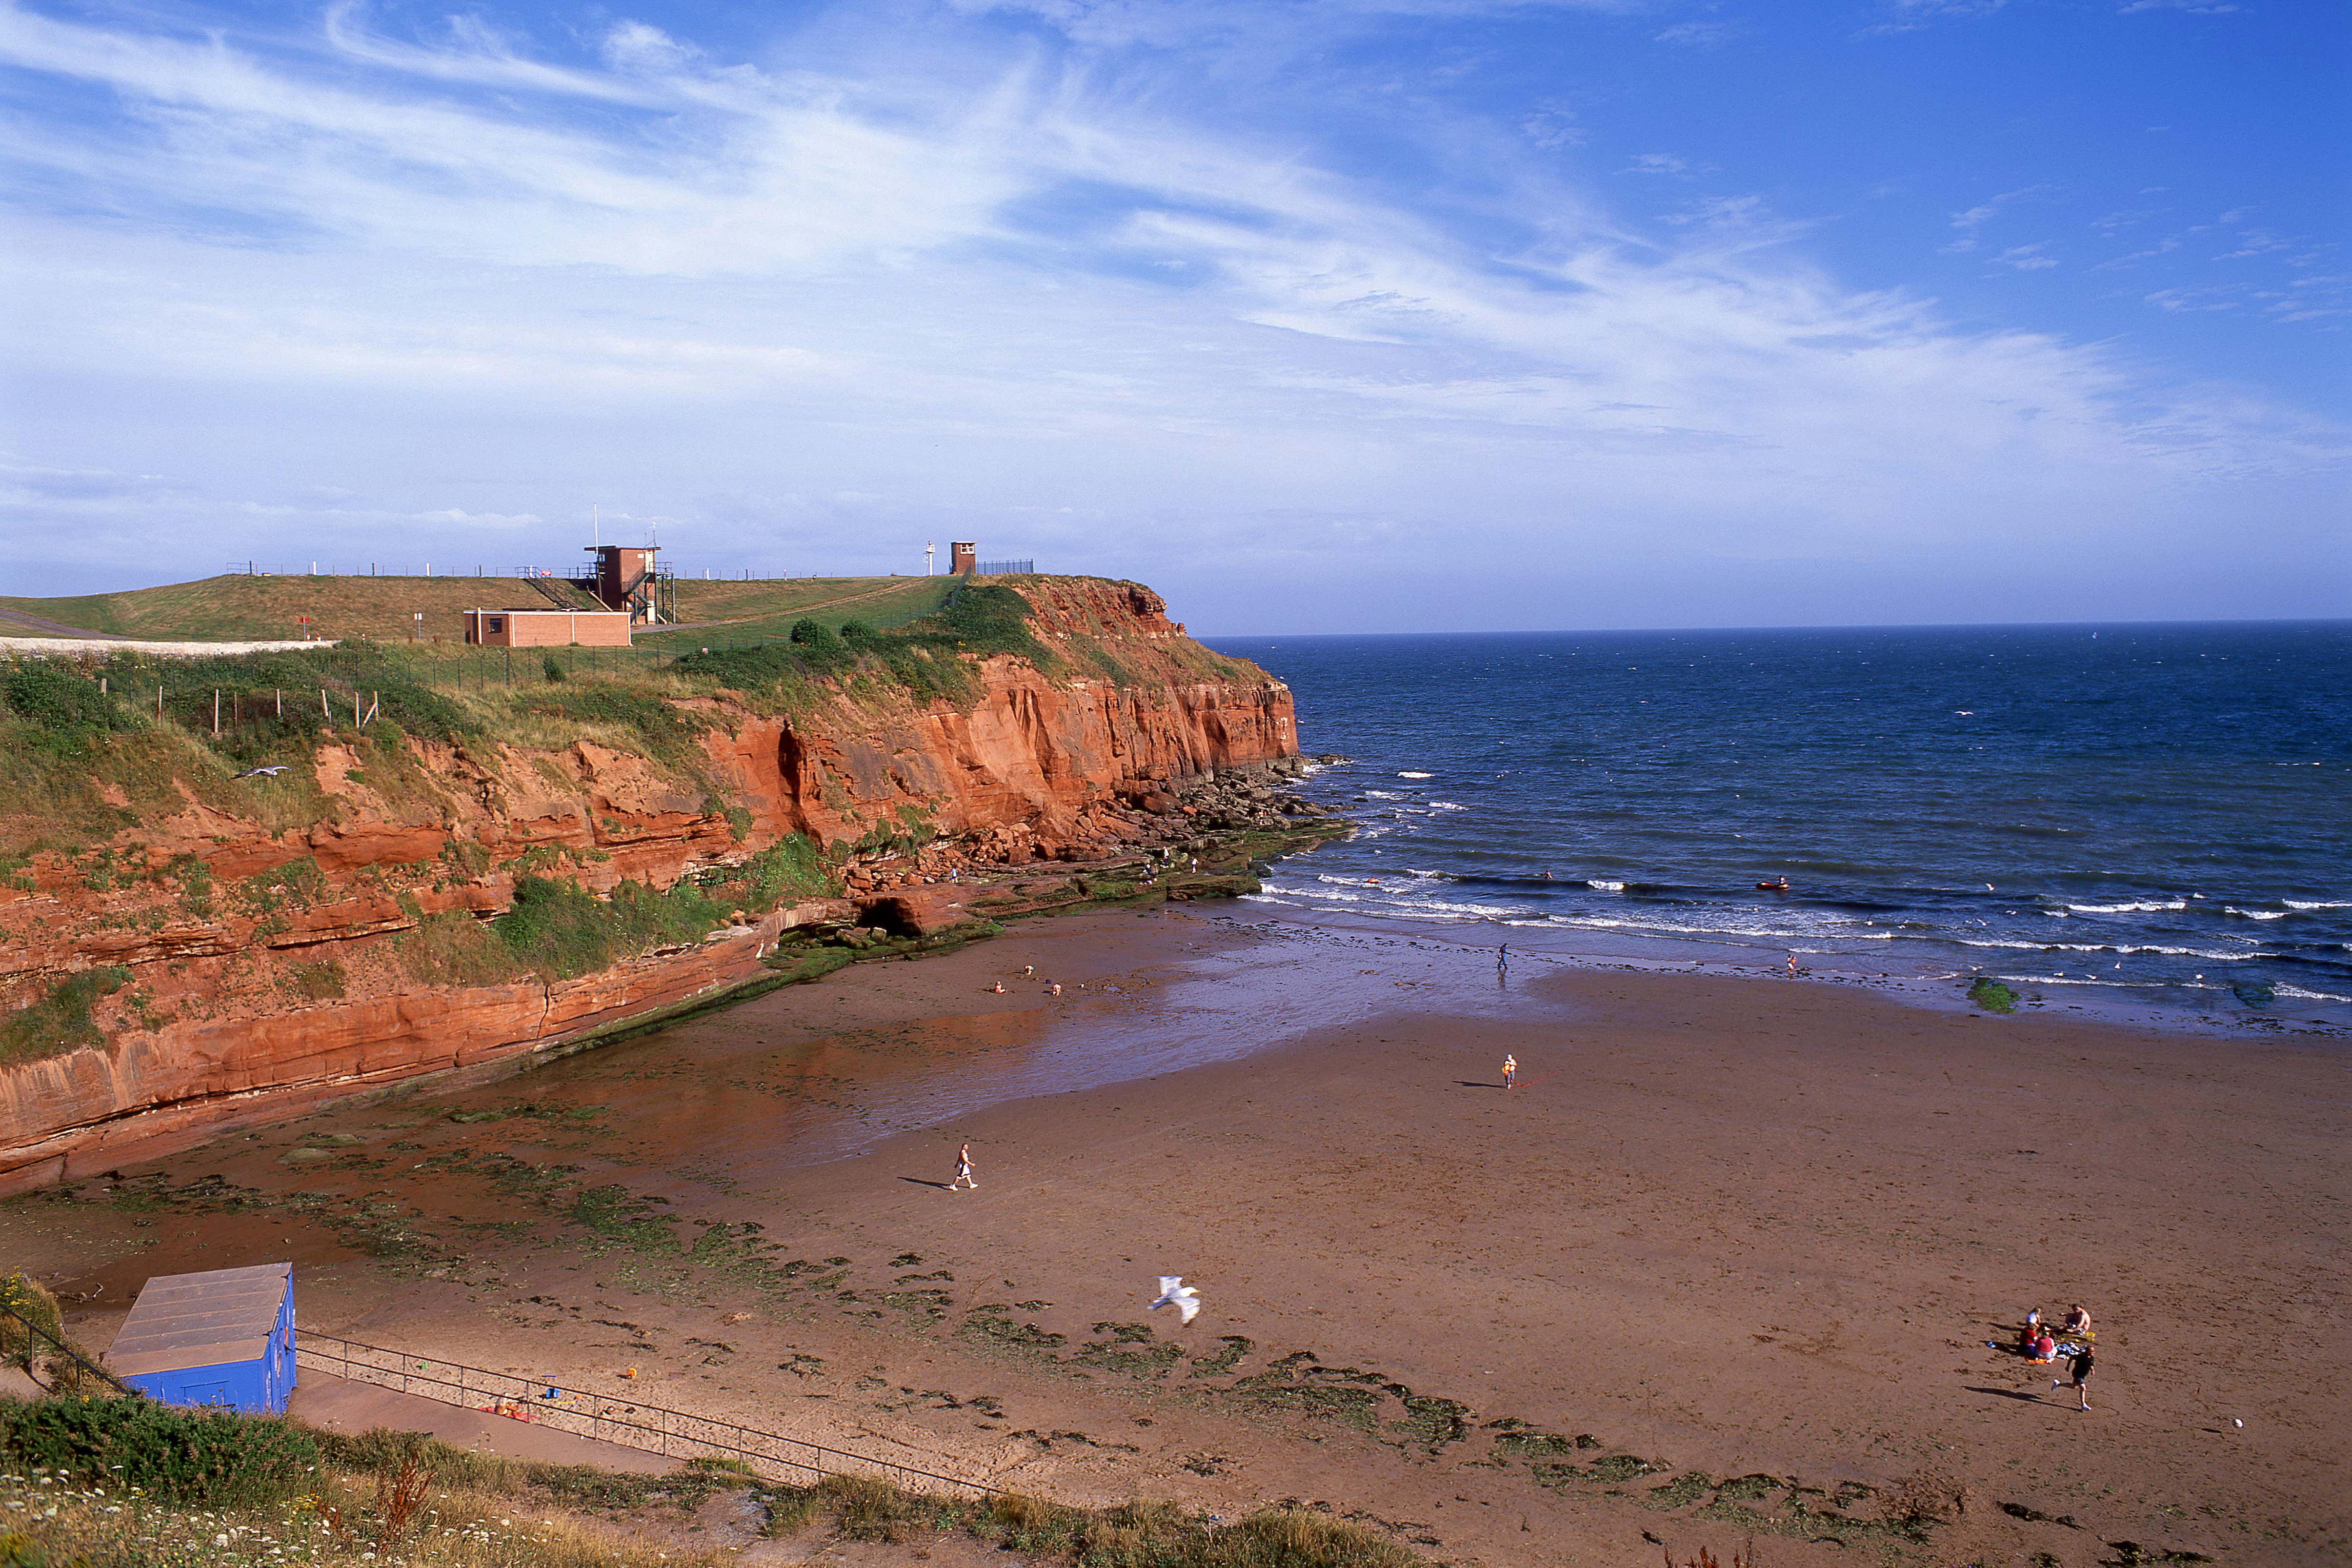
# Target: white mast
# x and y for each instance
(930, 548)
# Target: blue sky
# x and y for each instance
(1328, 316)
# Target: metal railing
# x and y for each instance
(651, 1428)
(1003, 568)
(61, 1348)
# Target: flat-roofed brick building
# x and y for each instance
(548, 628)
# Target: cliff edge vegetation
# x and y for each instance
(230, 885)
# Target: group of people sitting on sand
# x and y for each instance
(2038, 1343)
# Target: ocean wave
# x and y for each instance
(2120, 948)
(1780, 935)
(1408, 774)
(2315, 904)
(2185, 953)
(2256, 914)
(1600, 886)
(2300, 995)
(1447, 805)
(1385, 795)
(2144, 907)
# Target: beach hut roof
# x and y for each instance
(201, 1319)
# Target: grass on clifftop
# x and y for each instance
(264, 608)
(92, 745)
(117, 1482)
(924, 657)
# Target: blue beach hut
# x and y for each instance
(224, 1337)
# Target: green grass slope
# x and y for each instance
(239, 607)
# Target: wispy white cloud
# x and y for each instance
(1908, 16)
(817, 308)
(1708, 34)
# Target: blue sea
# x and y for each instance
(2159, 814)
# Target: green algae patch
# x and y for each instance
(1992, 995)
(1430, 1422)
(1680, 1492)
(995, 1328)
(1129, 1349)
(1235, 1348)
(1298, 1386)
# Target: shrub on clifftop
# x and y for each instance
(210, 1456)
(925, 656)
(65, 708)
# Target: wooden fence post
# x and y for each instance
(216, 710)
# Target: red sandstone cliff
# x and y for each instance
(272, 968)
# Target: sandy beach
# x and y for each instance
(1727, 1230)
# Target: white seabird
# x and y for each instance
(1174, 1293)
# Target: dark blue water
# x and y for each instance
(2161, 810)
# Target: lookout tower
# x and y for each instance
(626, 580)
(964, 558)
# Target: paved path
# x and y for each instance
(43, 626)
(95, 642)
(325, 1399)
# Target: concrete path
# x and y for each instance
(100, 643)
(325, 1399)
(41, 625)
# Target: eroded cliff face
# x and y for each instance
(270, 969)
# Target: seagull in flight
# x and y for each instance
(1174, 1293)
(263, 772)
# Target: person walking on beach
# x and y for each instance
(963, 1176)
(1510, 1071)
(1503, 962)
(2079, 1370)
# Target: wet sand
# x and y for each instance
(1727, 1228)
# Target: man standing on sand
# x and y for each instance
(2079, 1369)
(1503, 962)
(963, 1176)
(1510, 1071)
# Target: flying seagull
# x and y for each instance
(263, 772)
(1174, 1293)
